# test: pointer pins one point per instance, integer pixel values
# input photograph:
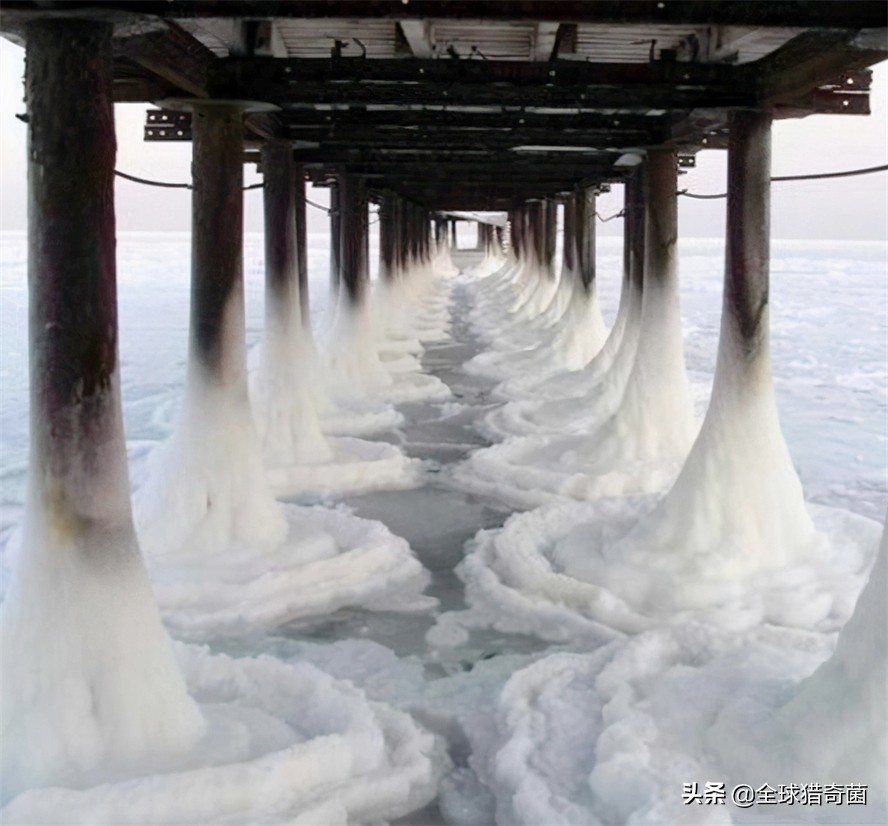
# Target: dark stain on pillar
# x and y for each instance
(280, 230)
(216, 228)
(355, 237)
(747, 261)
(635, 220)
(72, 275)
(661, 199)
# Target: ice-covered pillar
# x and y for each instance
(734, 517)
(773, 525)
(301, 244)
(335, 239)
(209, 491)
(79, 624)
(355, 237)
(283, 285)
(655, 418)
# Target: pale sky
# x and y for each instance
(852, 208)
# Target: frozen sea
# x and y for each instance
(829, 306)
(829, 316)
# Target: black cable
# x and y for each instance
(151, 183)
(814, 176)
(777, 179)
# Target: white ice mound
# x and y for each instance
(284, 743)
(615, 459)
(615, 736)
(330, 560)
(353, 466)
(566, 571)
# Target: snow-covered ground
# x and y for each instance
(344, 681)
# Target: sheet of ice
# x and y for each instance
(329, 560)
(284, 743)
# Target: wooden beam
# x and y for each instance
(811, 60)
(563, 84)
(173, 55)
(439, 140)
(500, 118)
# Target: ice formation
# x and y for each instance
(754, 718)
(282, 742)
(207, 487)
(90, 686)
(330, 560)
(288, 389)
(634, 436)
(373, 344)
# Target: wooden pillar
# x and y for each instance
(634, 229)
(387, 237)
(335, 239)
(661, 217)
(301, 244)
(550, 235)
(282, 283)
(747, 259)
(518, 223)
(569, 234)
(355, 231)
(585, 235)
(78, 468)
(399, 238)
(217, 299)
(453, 241)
